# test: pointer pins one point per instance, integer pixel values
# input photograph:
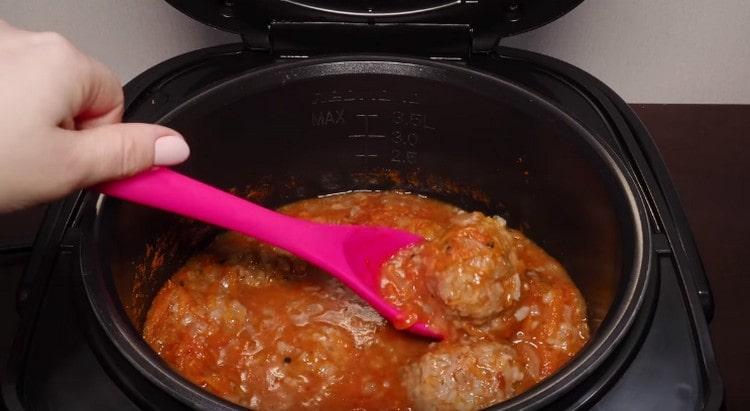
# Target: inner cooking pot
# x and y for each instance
(298, 130)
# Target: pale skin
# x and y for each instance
(60, 122)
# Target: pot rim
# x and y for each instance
(111, 316)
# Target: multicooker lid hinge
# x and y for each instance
(303, 39)
(450, 29)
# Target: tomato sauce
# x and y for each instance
(260, 328)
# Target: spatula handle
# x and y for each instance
(171, 191)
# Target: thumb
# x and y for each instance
(121, 150)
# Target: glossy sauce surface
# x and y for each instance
(258, 327)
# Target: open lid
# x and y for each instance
(486, 21)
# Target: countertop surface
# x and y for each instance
(704, 149)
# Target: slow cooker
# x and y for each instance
(325, 96)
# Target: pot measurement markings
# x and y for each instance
(366, 135)
(378, 131)
(324, 118)
(408, 129)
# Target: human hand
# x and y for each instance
(60, 129)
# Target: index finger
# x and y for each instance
(100, 101)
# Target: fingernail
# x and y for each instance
(170, 150)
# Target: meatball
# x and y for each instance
(476, 269)
(464, 376)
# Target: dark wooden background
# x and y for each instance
(704, 147)
(707, 151)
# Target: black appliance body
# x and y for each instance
(463, 120)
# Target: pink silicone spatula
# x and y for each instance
(353, 254)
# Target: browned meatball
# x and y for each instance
(476, 269)
(464, 376)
